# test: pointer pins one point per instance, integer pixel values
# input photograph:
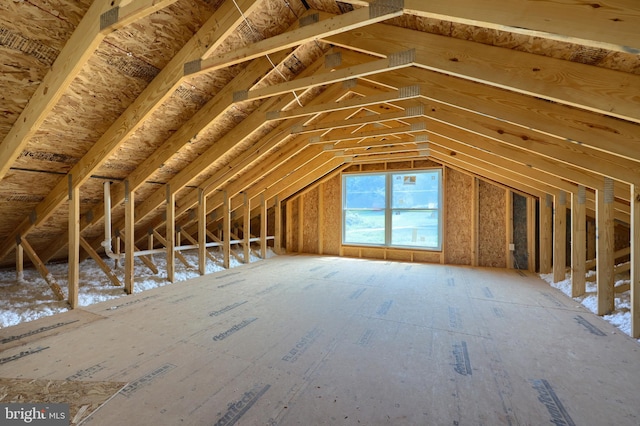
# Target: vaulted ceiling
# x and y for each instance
(262, 98)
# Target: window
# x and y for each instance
(400, 209)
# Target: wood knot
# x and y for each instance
(454, 59)
(536, 69)
(595, 5)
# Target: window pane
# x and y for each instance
(415, 190)
(365, 192)
(415, 228)
(364, 226)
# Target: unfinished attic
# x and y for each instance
(313, 165)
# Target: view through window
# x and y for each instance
(393, 209)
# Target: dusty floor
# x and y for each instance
(310, 340)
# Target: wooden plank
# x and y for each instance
(74, 245)
(42, 269)
(618, 23)
(596, 89)
(346, 135)
(509, 254)
(226, 230)
(578, 242)
(76, 52)
(300, 229)
(19, 263)
(397, 60)
(277, 244)
(101, 263)
(546, 205)
(177, 254)
(320, 220)
(635, 261)
(263, 227)
(531, 234)
(409, 92)
(129, 239)
(288, 218)
(475, 217)
(559, 236)
(246, 228)
(324, 28)
(202, 232)
(170, 231)
(604, 249)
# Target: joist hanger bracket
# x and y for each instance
(109, 18)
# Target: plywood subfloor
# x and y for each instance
(311, 340)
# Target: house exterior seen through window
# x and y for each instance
(395, 209)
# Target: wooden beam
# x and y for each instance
(170, 232)
(475, 221)
(263, 227)
(546, 214)
(618, 24)
(226, 230)
(129, 239)
(202, 232)
(409, 92)
(86, 38)
(387, 131)
(277, 244)
(320, 218)
(395, 61)
(19, 263)
(509, 254)
(101, 263)
(324, 28)
(578, 242)
(74, 245)
(177, 253)
(635, 261)
(531, 234)
(246, 228)
(604, 248)
(288, 217)
(42, 269)
(559, 236)
(300, 229)
(596, 89)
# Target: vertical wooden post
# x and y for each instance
(263, 226)
(129, 237)
(277, 231)
(475, 218)
(604, 247)
(289, 220)
(635, 261)
(246, 227)
(170, 226)
(508, 211)
(560, 237)
(19, 262)
(226, 231)
(74, 243)
(150, 243)
(321, 221)
(546, 205)
(202, 232)
(531, 234)
(300, 223)
(578, 242)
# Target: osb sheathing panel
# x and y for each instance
(332, 208)
(310, 223)
(458, 194)
(400, 255)
(492, 226)
(426, 256)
